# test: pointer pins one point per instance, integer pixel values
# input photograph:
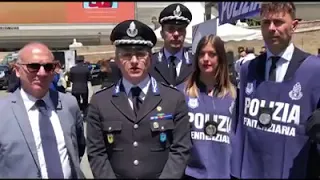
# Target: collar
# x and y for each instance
(286, 54)
(29, 101)
(178, 55)
(144, 85)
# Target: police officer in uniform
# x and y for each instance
(138, 127)
(173, 63)
(278, 92)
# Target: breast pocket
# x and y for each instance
(112, 132)
(162, 134)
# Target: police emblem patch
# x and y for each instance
(132, 31)
(249, 88)
(210, 128)
(193, 103)
(177, 11)
(295, 93)
(265, 117)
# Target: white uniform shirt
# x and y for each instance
(144, 86)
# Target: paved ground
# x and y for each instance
(84, 163)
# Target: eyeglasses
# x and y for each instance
(140, 55)
(34, 67)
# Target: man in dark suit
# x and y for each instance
(79, 76)
(41, 132)
(138, 127)
(279, 90)
(173, 63)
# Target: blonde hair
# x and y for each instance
(221, 75)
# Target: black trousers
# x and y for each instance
(84, 97)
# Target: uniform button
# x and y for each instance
(135, 144)
(135, 162)
(136, 126)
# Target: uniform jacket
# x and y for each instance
(121, 145)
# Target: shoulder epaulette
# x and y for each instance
(170, 86)
(105, 88)
(155, 52)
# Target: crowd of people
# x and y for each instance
(170, 114)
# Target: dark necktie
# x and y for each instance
(272, 72)
(136, 101)
(49, 142)
(172, 69)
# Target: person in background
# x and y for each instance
(249, 54)
(210, 96)
(263, 50)
(155, 22)
(110, 73)
(241, 52)
(42, 134)
(237, 65)
(173, 63)
(79, 76)
(137, 128)
(57, 82)
(13, 80)
(279, 91)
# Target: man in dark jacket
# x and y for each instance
(13, 80)
(79, 76)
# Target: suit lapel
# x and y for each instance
(120, 101)
(150, 102)
(260, 67)
(186, 68)
(162, 66)
(297, 58)
(22, 118)
(64, 117)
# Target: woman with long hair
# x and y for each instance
(210, 96)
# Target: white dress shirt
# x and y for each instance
(144, 86)
(178, 60)
(282, 64)
(33, 114)
(242, 60)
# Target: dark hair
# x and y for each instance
(240, 49)
(275, 7)
(249, 50)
